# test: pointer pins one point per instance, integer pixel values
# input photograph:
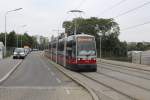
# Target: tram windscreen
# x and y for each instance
(86, 46)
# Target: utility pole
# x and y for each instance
(20, 41)
(75, 11)
(57, 30)
(6, 27)
(17, 40)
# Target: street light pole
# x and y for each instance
(100, 48)
(5, 33)
(75, 30)
(6, 27)
(22, 40)
(100, 55)
(22, 26)
(75, 11)
(57, 30)
(17, 40)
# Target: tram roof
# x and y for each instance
(78, 35)
(72, 37)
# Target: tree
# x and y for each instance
(108, 27)
(2, 37)
(140, 46)
(11, 39)
(92, 26)
(28, 40)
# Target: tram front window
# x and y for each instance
(86, 48)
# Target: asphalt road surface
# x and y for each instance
(36, 71)
(37, 79)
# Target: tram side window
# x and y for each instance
(68, 49)
(49, 47)
(54, 49)
(71, 49)
(61, 47)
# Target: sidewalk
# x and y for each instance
(126, 64)
(6, 65)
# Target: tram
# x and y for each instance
(75, 52)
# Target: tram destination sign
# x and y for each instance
(85, 39)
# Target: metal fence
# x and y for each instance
(119, 55)
(9, 51)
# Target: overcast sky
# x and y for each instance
(44, 16)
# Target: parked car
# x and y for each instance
(19, 53)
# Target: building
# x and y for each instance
(42, 39)
(42, 42)
(141, 57)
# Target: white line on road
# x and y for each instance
(67, 91)
(10, 72)
(58, 80)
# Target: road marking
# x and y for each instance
(58, 80)
(67, 91)
(11, 71)
(52, 73)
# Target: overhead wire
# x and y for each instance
(124, 13)
(133, 9)
(135, 26)
(112, 7)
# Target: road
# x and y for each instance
(34, 72)
(6, 65)
(37, 79)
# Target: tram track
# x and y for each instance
(140, 80)
(127, 82)
(127, 65)
(103, 92)
(138, 75)
(101, 83)
(104, 85)
(119, 86)
(129, 69)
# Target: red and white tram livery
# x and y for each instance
(75, 52)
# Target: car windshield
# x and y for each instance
(19, 50)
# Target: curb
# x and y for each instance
(94, 96)
(10, 72)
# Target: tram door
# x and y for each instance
(54, 52)
(71, 53)
(60, 53)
